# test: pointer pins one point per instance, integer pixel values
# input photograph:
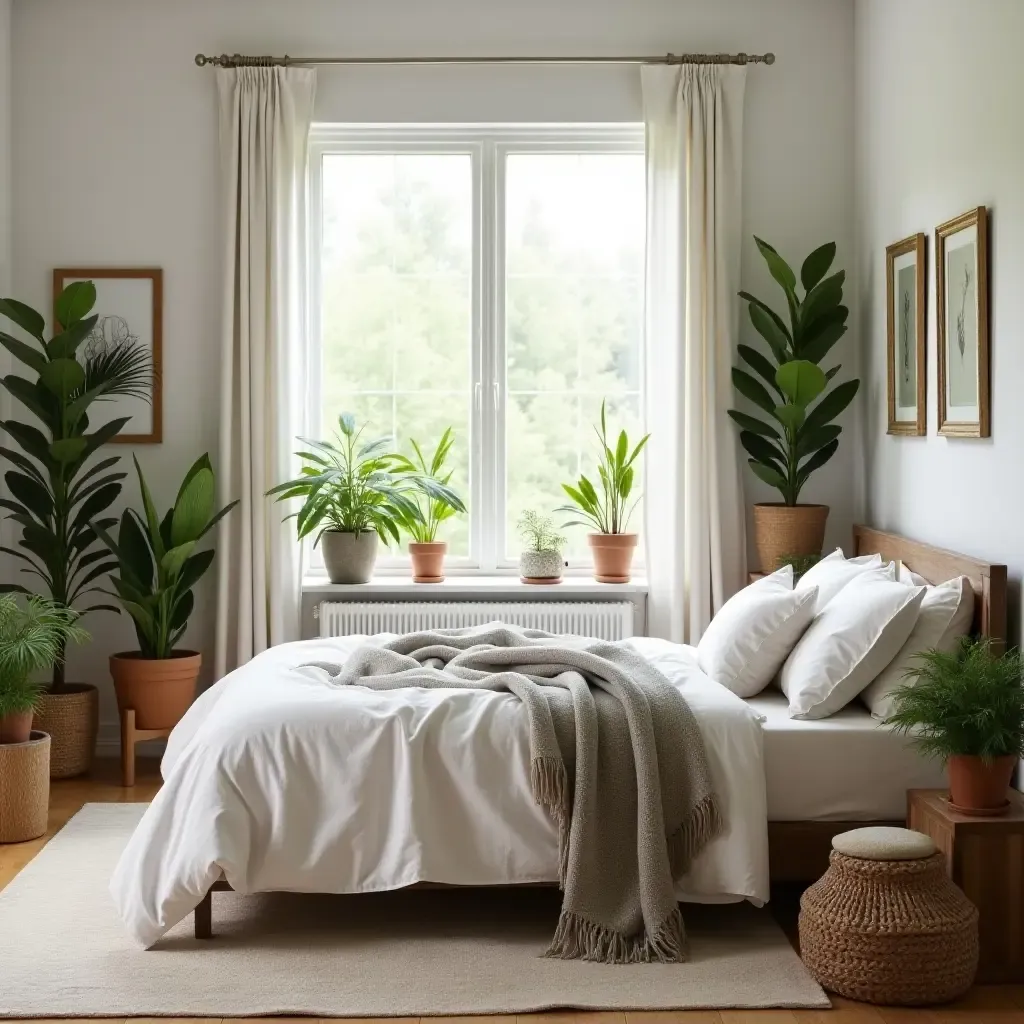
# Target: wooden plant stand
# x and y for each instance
(985, 857)
(130, 736)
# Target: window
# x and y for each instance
(485, 279)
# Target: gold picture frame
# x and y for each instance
(906, 336)
(135, 293)
(961, 313)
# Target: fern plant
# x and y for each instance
(968, 702)
(538, 532)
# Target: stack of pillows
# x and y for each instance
(848, 629)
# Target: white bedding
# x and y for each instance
(279, 780)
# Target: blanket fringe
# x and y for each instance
(703, 824)
(550, 784)
(576, 938)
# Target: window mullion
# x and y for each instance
(491, 462)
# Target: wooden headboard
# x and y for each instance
(937, 565)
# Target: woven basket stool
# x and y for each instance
(886, 925)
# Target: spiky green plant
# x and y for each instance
(539, 533)
(970, 701)
(32, 637)
(435, 499)
(798, 438)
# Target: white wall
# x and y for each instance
(939, 131)
(116, 146)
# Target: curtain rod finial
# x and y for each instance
(769, 58)
(200, 60)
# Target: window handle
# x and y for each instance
(497, 394)
(477, 395)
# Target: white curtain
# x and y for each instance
(694, 516)
(265, 116)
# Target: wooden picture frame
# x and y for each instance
(961, 313)
(135, 292)
(906, 335)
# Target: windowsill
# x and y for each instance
(489, 586)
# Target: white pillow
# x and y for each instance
(947, 612)
(754, 631)
(834, 571)
(849, 643)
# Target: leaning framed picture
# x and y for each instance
(961, 303)
(905, 330)
(129, 304)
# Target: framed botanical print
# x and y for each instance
(906, 334)
(961, 302)
(129, 304)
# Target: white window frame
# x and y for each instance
(488, 147)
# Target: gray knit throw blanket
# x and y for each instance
(617, 760)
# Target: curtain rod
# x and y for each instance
(237, 60)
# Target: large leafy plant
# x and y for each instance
(800, 435)
(58, 492)
(351, 485)
(157, 561)
(33, 635)
(606, 510)
(435, 500)
(970, 701)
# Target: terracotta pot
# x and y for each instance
(541, 566)
(159, 690)
(71, 718)
(977, 786)
(613, 556)
(788, 531)
(16, 727)
(428, 561)
(25, 796)
(349, 557)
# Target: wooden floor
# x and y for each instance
(984, 1005)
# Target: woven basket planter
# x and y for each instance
(71, 718)
(889, 932)
(25, 789)
(788, 531)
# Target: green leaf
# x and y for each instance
(174, 559)
(801, 381)
(22, 462)
(33, 495)
(769, 329)
(832, 404)
(822, 298)
(63, 377)
(32, 358)
(777, 266)
(31, 439)
(792, 416)
(750, 388)
(182, 610)
(101, 435)
(97, 502)
(134, 554)
(194, 569)
(68, 449)
(194, 503)
(767, 474)
(815, 267)
(812, 440)
(816, 461)
(762, 451)
(25, 391)
(74, 302)
(152, 522)
(64, 345)
(759, 364)
(755, 425)
(770, 313)
(24, 316)
(824, 333)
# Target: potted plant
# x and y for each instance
(541, 559)
(59, 489)
(800, 435)
(353, 494)
(157, 567)
(32, 637)
(967, 708)
(435, 503)
(608, 510)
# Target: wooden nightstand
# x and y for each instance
(753, 577)
(985, 857)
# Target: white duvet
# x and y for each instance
(278, 780)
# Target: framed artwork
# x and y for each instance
(129, 303)
(906, 332)
(961, 303)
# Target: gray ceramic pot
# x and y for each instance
(540, 565)
(349, 557)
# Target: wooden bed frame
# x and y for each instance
(798, 850)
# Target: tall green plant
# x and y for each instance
(57, 491)
(801, 435)
(436, 501)
(157, 561)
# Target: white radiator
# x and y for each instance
(606, 620)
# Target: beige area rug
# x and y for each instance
(63, 951)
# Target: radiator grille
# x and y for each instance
(606, 620)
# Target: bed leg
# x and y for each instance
(204, 917)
